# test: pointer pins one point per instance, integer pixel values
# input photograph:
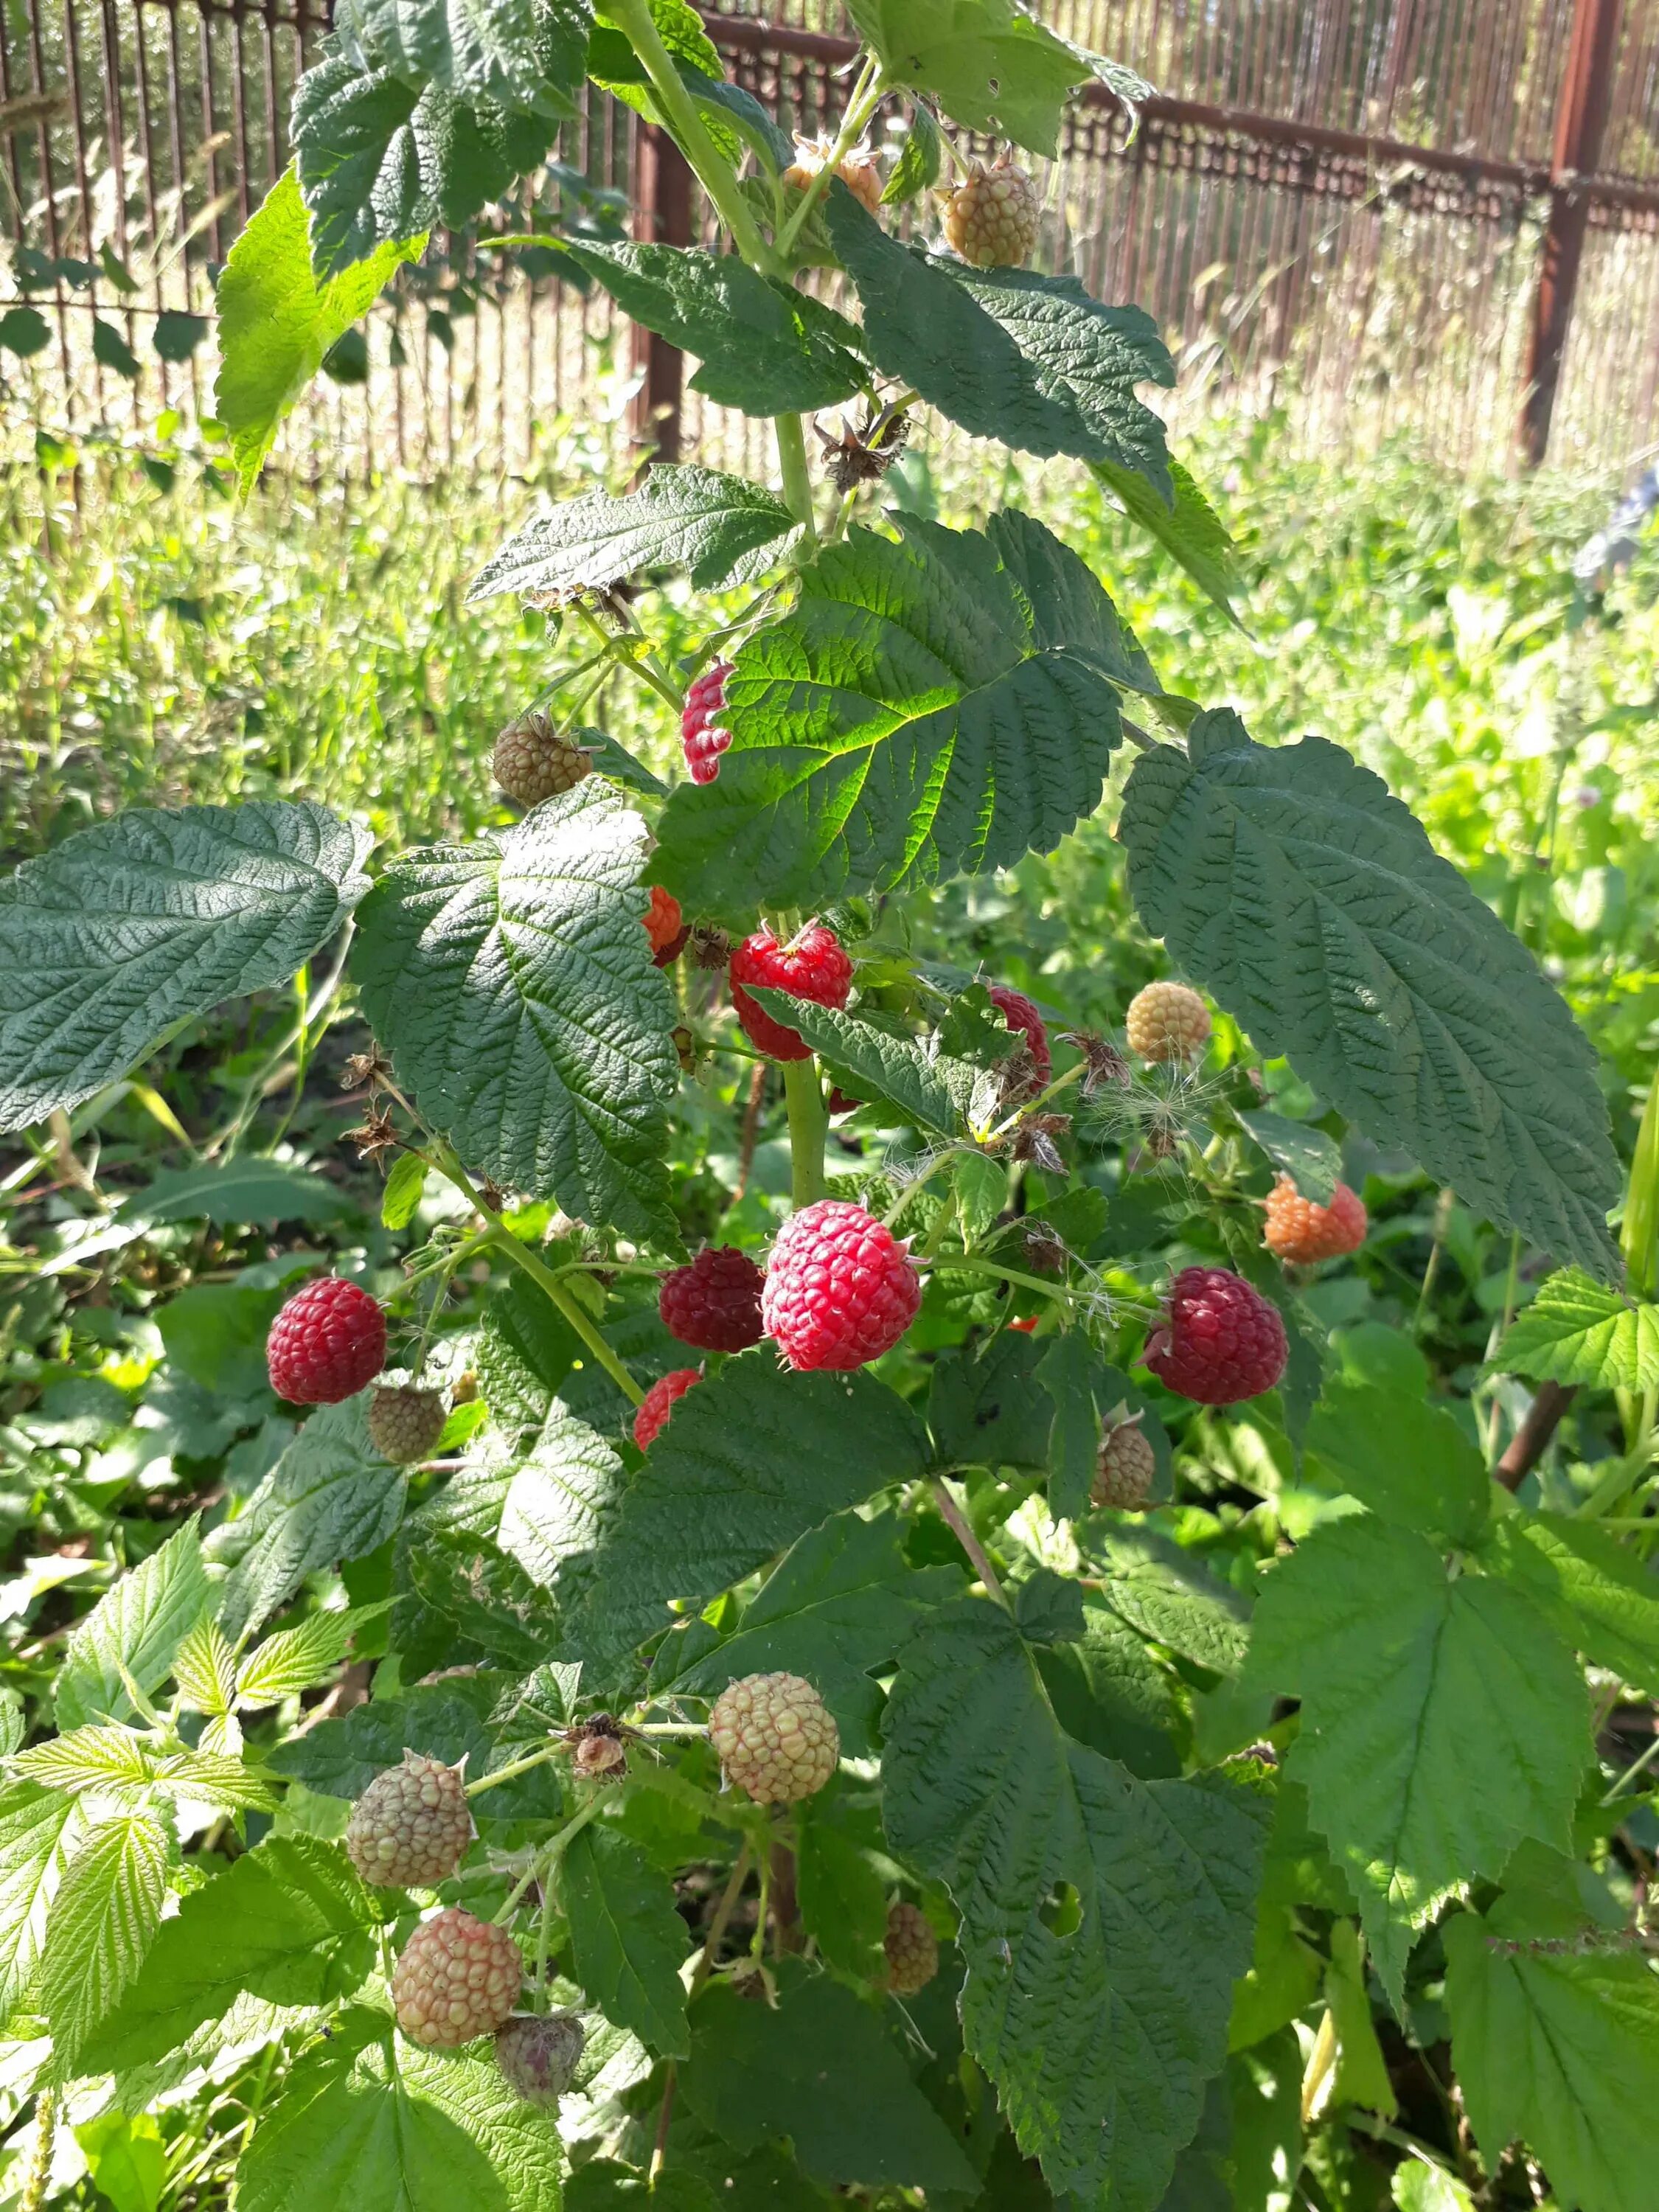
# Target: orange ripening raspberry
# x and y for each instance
(665, 926)
(1299, 1231)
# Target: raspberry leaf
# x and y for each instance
(1405, 1459)
(752, 1459)
(1296, 889)
(1560, 2048)
(681, 517)
(626, 1938)
(836, 1607)
(1442, 1722)
(756, 2074)
(106, 1912)
(557, 1503)
(127, 930)
(1577, 1330)
(367, 2118)
(133, 1633)
(765, 348)
(1100, 2038)
(1312, 1159)
(524, 55)
(1109, 1692)
(512, 984)
(991, 67)
(1603, 1599)
(290, 1923)
(943, 704)
(987, 1407)
(1165, 1593)
(934, 1090)
(1192, 534)
(33, 1823)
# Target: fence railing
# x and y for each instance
(1440, 212)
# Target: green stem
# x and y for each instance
(868, 96)
(634, 19)
(809, 1125)
(511, 1774)
(797, 476)
(548, 1858)
(1633, 1772)
(1640, 1234)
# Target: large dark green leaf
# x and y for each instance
(1100, 2032)
(948, 703)
(988, 64)
(1295, 887)
(511, 983)
(626, 1937)
(753, 1458)
(124, 930)
(521, 54)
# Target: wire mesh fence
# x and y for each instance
(1361, 193)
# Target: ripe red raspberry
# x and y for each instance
(538, 2054)
(840, 1287)
(701, 739)
(994, 219)
(411, 1826)
(1222, 1341)
(811, 966)
(404, 1423)
(457, 1979)
(327, 1341)
(912, 1949)
(1300, 1231)
(1167, 1021)
(1023, 1019)
(533, 762)
(1126, 1469)
(715, 1302)
(665, 927)
(775, 1738)
(652, 1417)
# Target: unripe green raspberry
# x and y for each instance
(533, 762)
(405, 1424)
(539, 2055)
(775, 1738)
(912, 1949)
(412, 1825)
(1168, 1021)
(992, 220)
(1125, 1470)
(458, 1979)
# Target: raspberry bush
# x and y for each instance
(503, 1773)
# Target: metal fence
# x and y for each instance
(1438, 213)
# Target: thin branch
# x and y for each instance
(945, 1498)
(1532, 1439)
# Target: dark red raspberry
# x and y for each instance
(665, 927)
(811, 966)
(326, 1344)
(1023, 1019)
(841, 1101)
(701, 739)
(1222, 1341)
(840, 1288)
(658, 1404)
(715, 1302)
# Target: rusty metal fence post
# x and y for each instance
(662, 201)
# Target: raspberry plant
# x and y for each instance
(837, 1767)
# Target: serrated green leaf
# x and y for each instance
(1441, 1720)
(216, 1333)
(980, 1184)
(216, 1779)
(842, 1895)
(615, 761)
(1312, 1159)
(821, 2070)
(96, 1757)
(291, 1923)
(403, 1191)
(512, 984)
(921, 158)
(1562, 2051)
(1167, 1595)
(764, 347)
(688, 518)
(204, 1669)
(918, 713)
(342, 1756)
(136, 1628)
(1408, 1460)
(296, 1659)
(986, 1406)
(1192, 534)
(626, 1941)
(517, 54)
(32, 1822)
(1072, 1372)
(934, 1090)
(754, 1457)
(1579, 1331)
(524, 1352)
(1109, 1692)
(370, 2120)
(1603, 1599)
(276, 321)
(838, 1605)
(330, 1496)
(106, 1912)
(991, 67)
(1100, 2039)
(1292, 885)
(557, 1504)
(238, 1191)
(128, 928)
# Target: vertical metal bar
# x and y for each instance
(663, 205)
(209, 132)
(147, 163)
(1581, 123)
(13, 160)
